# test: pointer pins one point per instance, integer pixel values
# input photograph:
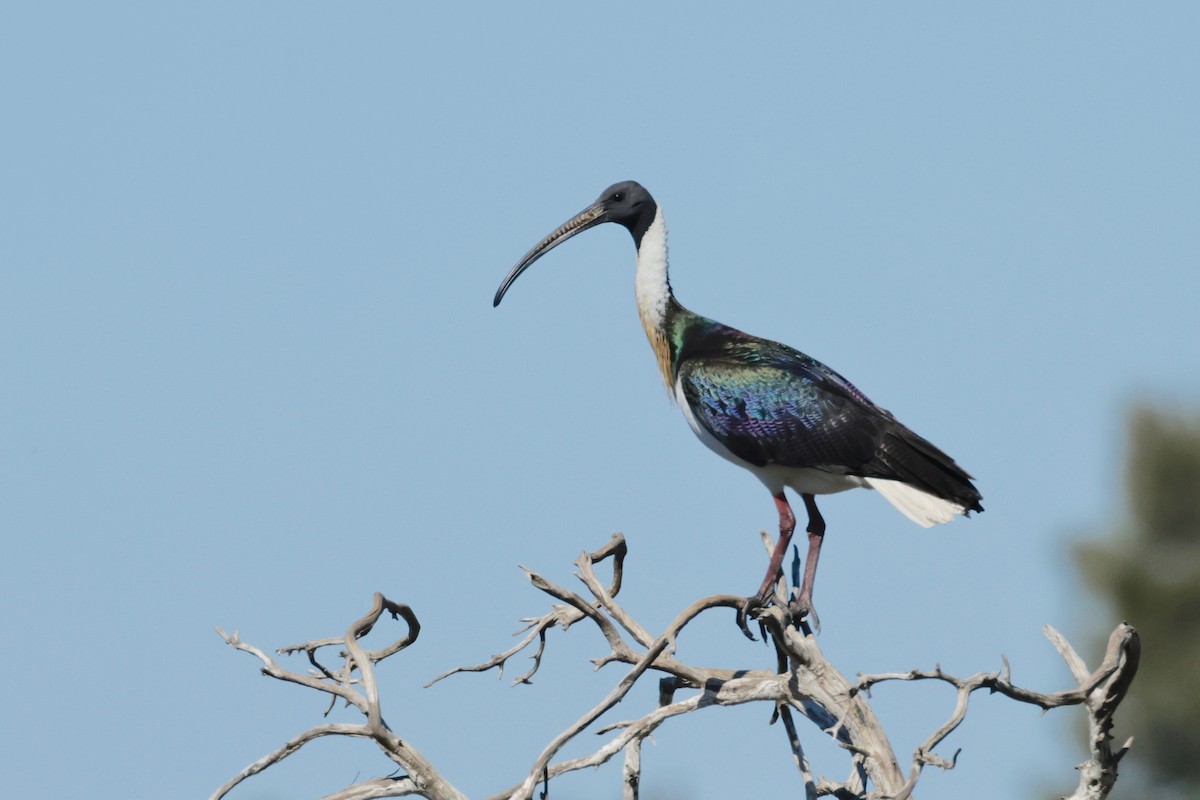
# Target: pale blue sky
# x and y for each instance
(252, 373)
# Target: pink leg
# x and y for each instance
(787, 524)
(816, 535)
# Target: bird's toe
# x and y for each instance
(803, 615)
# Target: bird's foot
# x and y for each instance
(799, 614)
(751, 608)
(802, 615)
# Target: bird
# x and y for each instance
(782, 415)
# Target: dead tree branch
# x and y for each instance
(802, 681)
(422, 778)
(1099, 692)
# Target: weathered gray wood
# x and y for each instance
(804, 682)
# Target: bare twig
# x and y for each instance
(799, 681)
(292, 745)
(422, 778)
(1100, 691)
(1098, 773)
(789, 727)
(564, 616)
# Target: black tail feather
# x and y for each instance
(905, 456)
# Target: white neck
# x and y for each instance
(652, 287)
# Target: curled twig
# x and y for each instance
(421, 776)
(797, 679)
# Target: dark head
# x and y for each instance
(626, 203)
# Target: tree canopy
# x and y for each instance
(1148, 569)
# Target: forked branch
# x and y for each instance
(353, 682)
(801, 681)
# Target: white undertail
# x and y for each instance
(921, 507)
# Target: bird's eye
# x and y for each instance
(618, 196)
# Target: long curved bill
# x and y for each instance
(590, 217)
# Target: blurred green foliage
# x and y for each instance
(1148, 570)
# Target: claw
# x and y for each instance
(745, 611)
(750, 608)
(802, 613)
